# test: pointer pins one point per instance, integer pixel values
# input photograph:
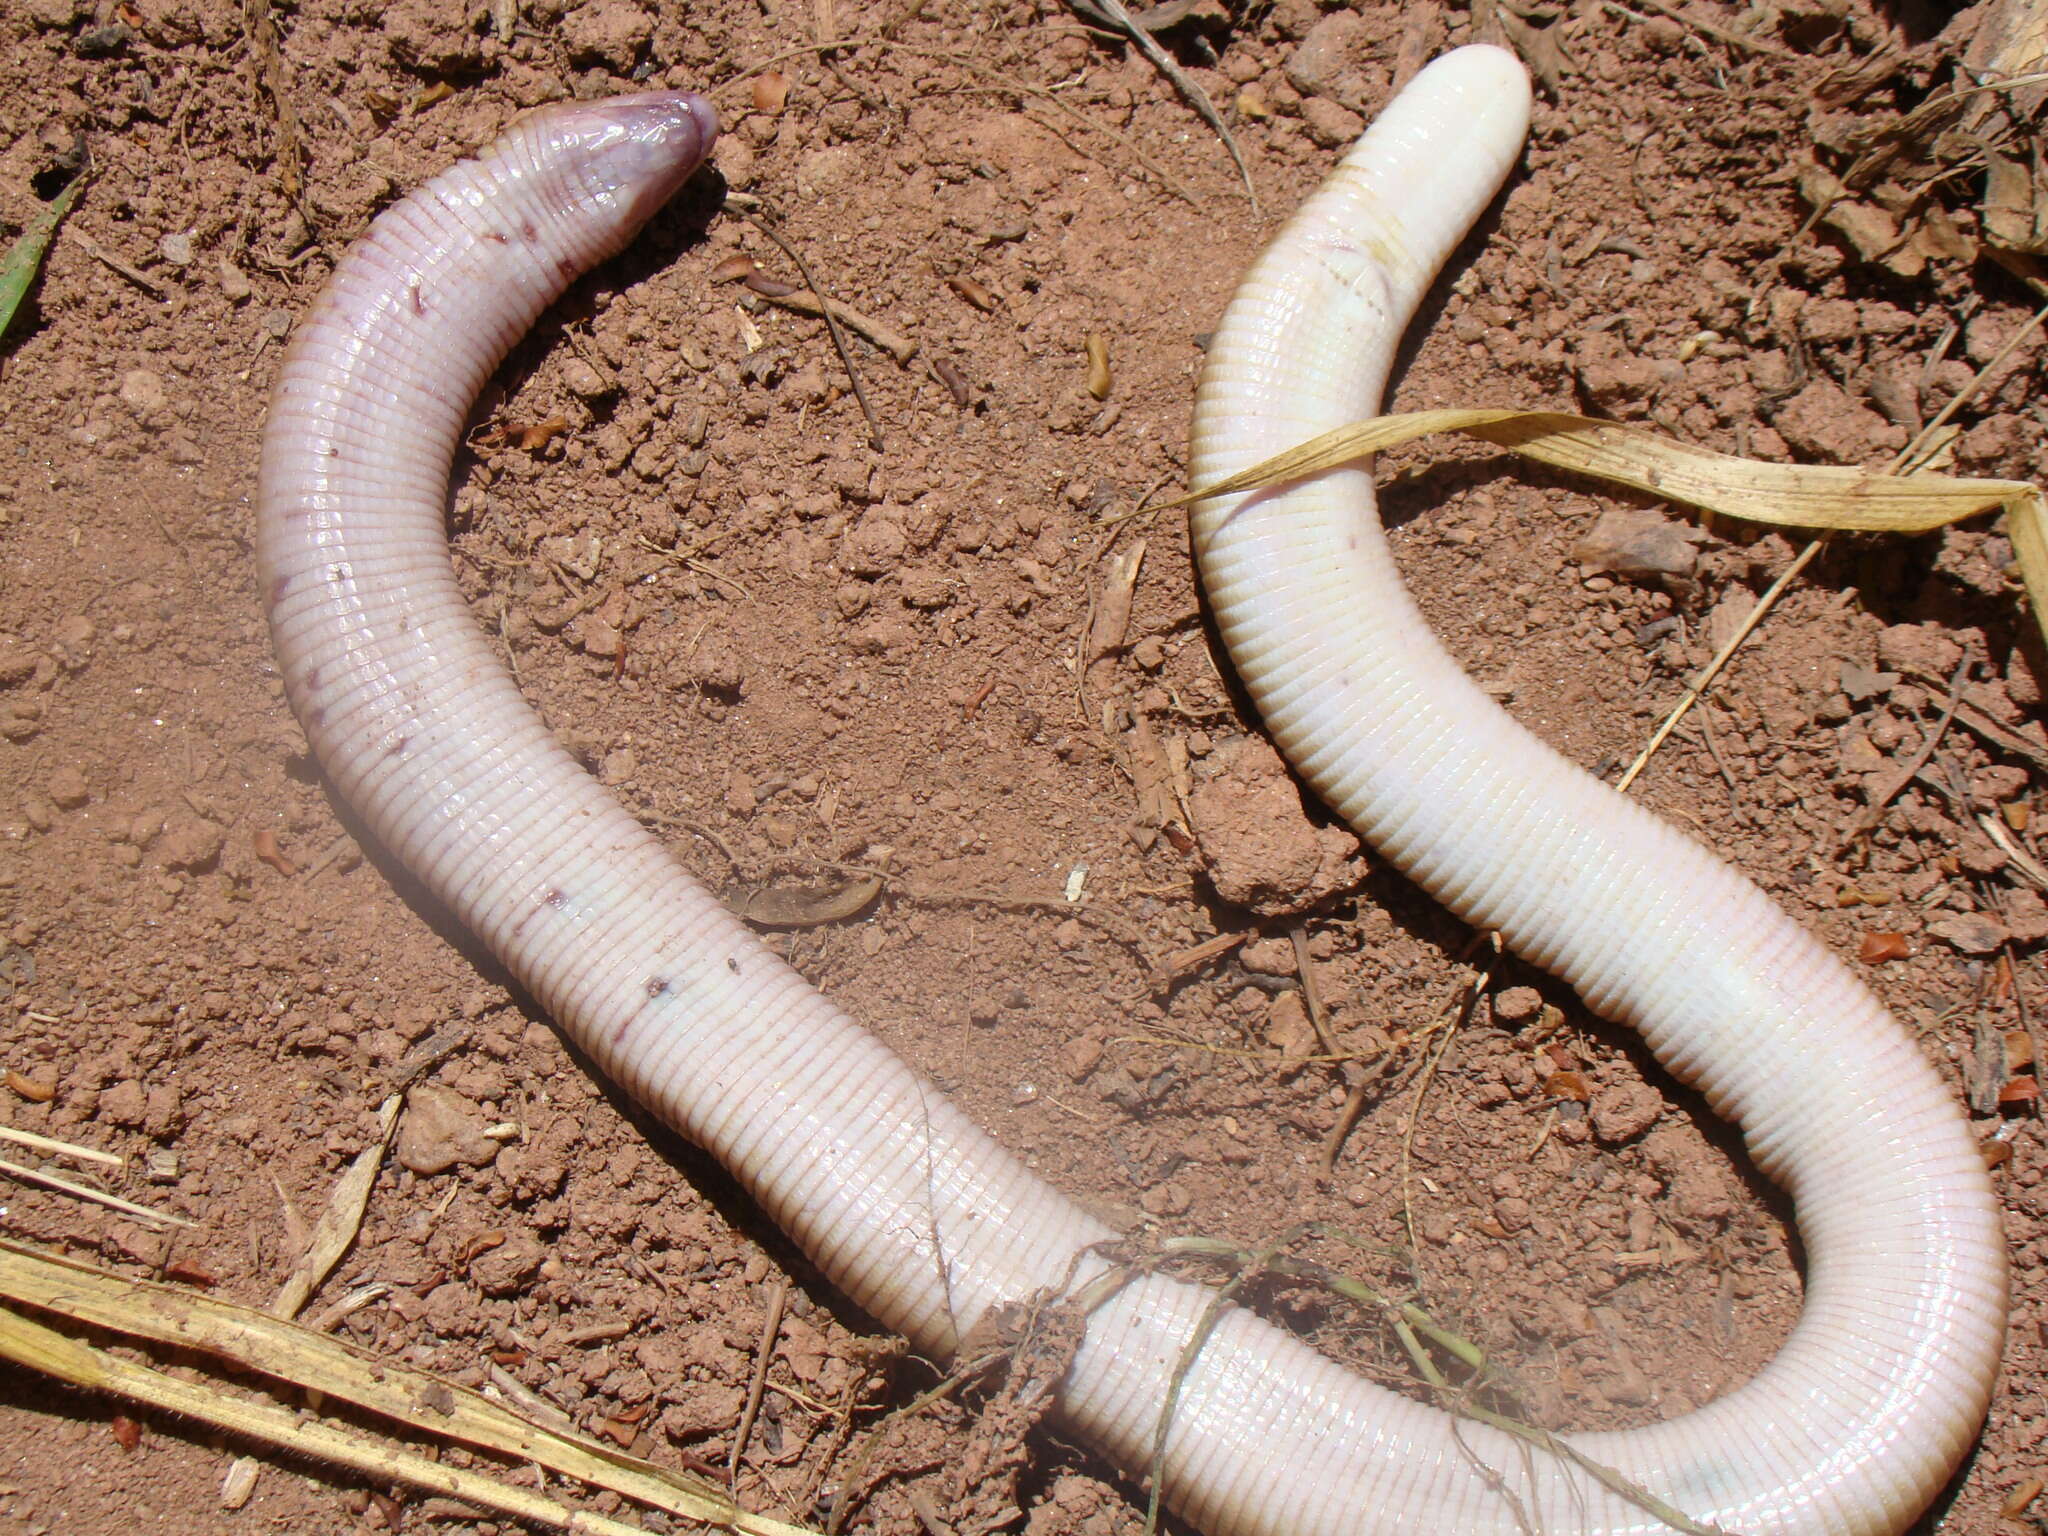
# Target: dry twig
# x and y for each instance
(1190, 92)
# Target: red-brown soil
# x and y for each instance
(790, 651)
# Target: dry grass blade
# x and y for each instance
(895, 343)
(2027, 525)
(2024, 523)
(1407, 1320)
(68, 1149)
(1697, 688)
(343, 1217)
(1787, 495)
(770, 1331)
(68, 1359)
(287, 1352)
(57, 1181)
(1721, 34)
(1009, 85)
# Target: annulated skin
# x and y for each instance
(1857, 1423)
(911, 1209)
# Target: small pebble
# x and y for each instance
(234, 285)
(1517, 1005)
(143, 392)
(1974, 933)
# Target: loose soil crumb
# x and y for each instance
(788, 651)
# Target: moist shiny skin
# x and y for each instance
(916, 1213)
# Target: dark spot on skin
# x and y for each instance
(311, 679)
(419, 305)
(528, 232)
(657, 986)
(497, 239)
(317, 716)
(732, 964)
(398, 745)
(278, 588)
(566, 267)
(619, 1034)
(551, 898)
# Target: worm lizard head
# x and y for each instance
(626, 155)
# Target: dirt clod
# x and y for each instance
(1621, 1112)
(1260, 847)
(441, 1128)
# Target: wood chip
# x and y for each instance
(239, 1482)
(771, 92)
(2024, 1492)
(264, 841)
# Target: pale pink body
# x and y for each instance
(908, 1206)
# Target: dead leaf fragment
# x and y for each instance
(1570, 1086)
(1877, 948)
(1634, 543)
(835, 898)
(1869, 231)
(1097, 345)
(526, 437)
(2015, 205)
(265, 843)
(1112, 620)
(1541, 48)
